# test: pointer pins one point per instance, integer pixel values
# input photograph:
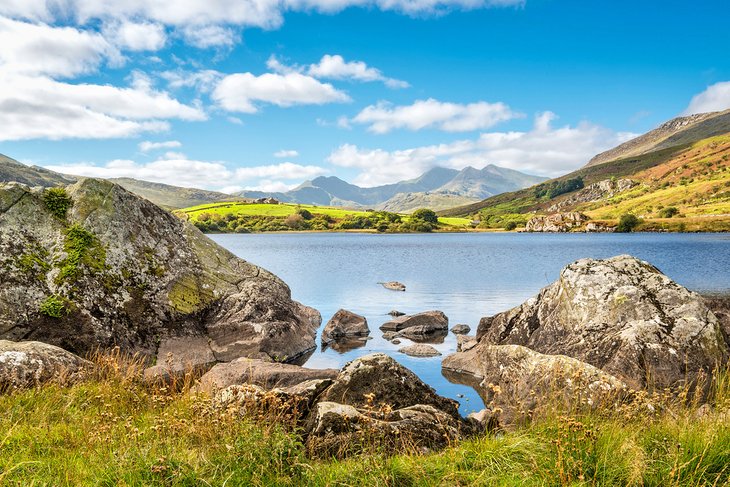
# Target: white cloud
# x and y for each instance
(40, 107)
(205, 36)
(286, 153)
(147, 145)
(544, 150)
(56, 51)
(235, 120)
(423, 114)
(239, 92)
(204, 80)
(176, 169)
(715, 98)
(335, 67)
(143, 36)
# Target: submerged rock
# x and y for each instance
(97, 266)
(31, 364)
(393, 285)
(345, 324)
(621, 315)
(420, 350)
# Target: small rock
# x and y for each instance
(465, 342)
(432, 320)
(395, 341)
(344, 324)
(395, 313)
(30, 364)
(420, 350)
(461, 329)
(393, 285)
(389, 335)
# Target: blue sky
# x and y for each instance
(229, 95)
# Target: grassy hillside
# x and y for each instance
(12, 170)
(693, 180)
(240, 217)
(115, 430)
(170, 197)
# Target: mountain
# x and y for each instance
(683, 183)
(437, 188)
(164, 195)
(676, 132)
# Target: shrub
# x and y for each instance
(627, 223)
(57, 201)
(510, 226)
(426, 215)
(556, 188)
(668, 212)
(304, 213)
(53, 306)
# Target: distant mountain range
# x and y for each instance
(438, 188)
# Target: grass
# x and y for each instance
(115, 430)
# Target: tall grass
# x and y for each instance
(117, 430)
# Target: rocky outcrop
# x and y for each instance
(30, 364)
(558, 222)
(427, 322)
(601, 190)
(621, 315)
(267, 375)
(420, 350)
(393, 285)
(512, 380)
(96, 266)
(345, 324)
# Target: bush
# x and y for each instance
(426, 215)
(627, 223)
(510, 226)
(57, 201)
(556, 188)
(668, 212)
(306, 214)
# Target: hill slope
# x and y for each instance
(676, 132)
(12, 170)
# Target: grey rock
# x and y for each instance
(395, 341)
(390, 335)
(141, 278)
(465, 342)
(558, 222)
(429, 320)
(460, 329)
(621, 315)
(31, 364)
(344, 324)
(601, 190)
(393, 285)
(395, 313)
(420, 350)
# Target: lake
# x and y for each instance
(465, 275)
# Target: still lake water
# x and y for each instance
(466, 276)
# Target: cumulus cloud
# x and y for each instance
(41, 107)
(423, 114)
(241, 91)
(143, 36)
(206, 36)
(544, 150)
(176, 169)
(203, 81)
(147, 145)
(285, 153)
(715, 98)
(335, 67)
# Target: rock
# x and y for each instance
(461, 329)
(346, 344)
(512, 380)
(431, 333)
(720, 306)
(430, 321)
(602, 190)
(390, 335)
(338, 430)
(393, 285)
(420, 350)
(599, 227)
(558, 222)
(295, 400)
(621, 315)
(465, 342)
(30, 364)
(395, 313)
(116, 270)
(486, 418)
(378, 379)
(258, 372)
(395, 341)
(344, 324)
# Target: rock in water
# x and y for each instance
(31, 364)
(420, 350)
(96, 266)
(393, 285)
(395, 313)
(559, 222)
(621, 315)
(461, 329)
(345, 324)
(428, 321)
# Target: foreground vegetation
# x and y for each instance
(114, 430)
(240, 217)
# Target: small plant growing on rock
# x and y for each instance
(57, 201)
(54, 306)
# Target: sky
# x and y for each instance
(263, 94)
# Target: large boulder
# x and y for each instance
(268, 375)
(344, 324)
(30, 364)
(621, 315)
(377, 379)
(428, 322)
(113, 269)
(513, 380)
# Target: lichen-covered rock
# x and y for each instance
(98, 267)
(558, 222)
(420, 350)
(428, 322)
(258, 372)
(344, 324)
(30, 364)
(512, 380)
(621, 315)
(377, 379)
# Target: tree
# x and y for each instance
(627, 223)
(425, 215)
